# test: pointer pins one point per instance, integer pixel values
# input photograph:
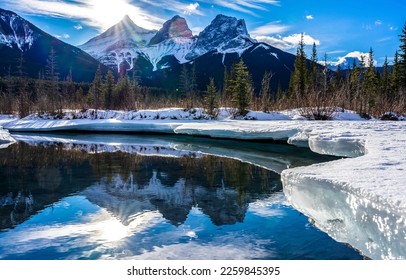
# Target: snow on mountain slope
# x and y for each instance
(119, 44)
(224, 35)
(125, 42)
(15, 31)
(177, 47)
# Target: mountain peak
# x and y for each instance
(224, 34)
(229, 24)
(176, 27)
(127, 19)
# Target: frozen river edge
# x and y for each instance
(359, 200)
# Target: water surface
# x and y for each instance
(66, 196)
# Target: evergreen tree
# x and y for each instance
(184, 81)
(211, 98)
(22, 89)
(265, 91)
(395, 75)
(133, 93)
(370, 82)
(354, 81)
(122, 92)
(385, 79)
(108, 90)
(52, 77)
(402, 58)
(97, 87)
(298, 80)
(314, 68)
(188, 84)
(242, 88)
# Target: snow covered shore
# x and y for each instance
(360, 199)
(5, 139)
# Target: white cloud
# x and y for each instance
(351, 55)
(246, 6)
(95, 13)
(196, 30)
(78, 26)
(191, 9)
(309, 17)
(295, 39)
(393, 28)
(63, 36)
(288, 42)
(270, 28)
(378, 22)
(336, 51)
(176, 6)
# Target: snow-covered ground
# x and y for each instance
(360, 199)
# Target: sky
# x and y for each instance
(339, 28)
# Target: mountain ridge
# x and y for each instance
(20, 38)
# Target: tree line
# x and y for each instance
(313, 88)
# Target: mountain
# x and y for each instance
(225, 35)
(18, 37)
(125, 43)
(158, 56)
(119, 45)
(259, 57)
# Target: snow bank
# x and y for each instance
(360, 201)
(5, 139)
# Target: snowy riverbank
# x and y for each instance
(360, 200)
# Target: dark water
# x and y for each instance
(64, 196)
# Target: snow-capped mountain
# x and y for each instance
(19, 37)
(119, 45)
(123, 44)
(15, 31)
(224, 35)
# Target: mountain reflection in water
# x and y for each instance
(135, 190)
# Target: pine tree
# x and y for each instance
(385, 79)
(134, 92)
(338, 79)
(265, 91)
(370, 82)
(242, 88)
(395, 75)
(184, 81)
(108, 90)
(298, 80)
(122, 91)
(52, 77)
(97, 88)
(402, 58)
(314, 68)
(21, 86)
(211, 98)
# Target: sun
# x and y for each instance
(108, 13)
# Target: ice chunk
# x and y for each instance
(374, 228)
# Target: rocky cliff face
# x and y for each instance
(174, 28)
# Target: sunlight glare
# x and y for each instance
(108, 14)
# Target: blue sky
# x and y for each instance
(339, 28)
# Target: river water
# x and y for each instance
(98, 196)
